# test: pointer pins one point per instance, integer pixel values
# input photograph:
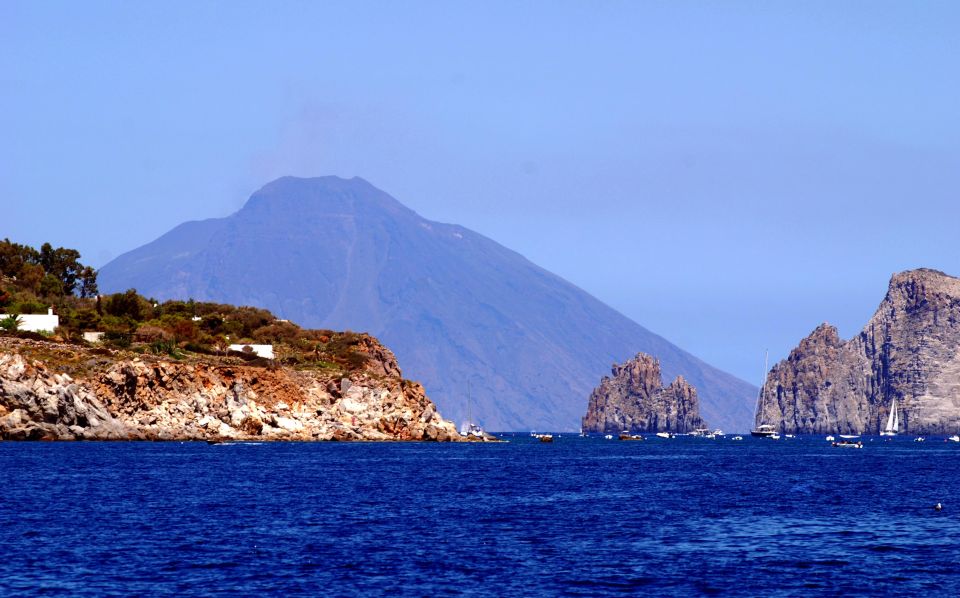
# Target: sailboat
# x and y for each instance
(893, 420)
(468, 428)
(763, 430)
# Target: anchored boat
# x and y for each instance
(893, 420)
(763, 430)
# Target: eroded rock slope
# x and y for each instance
(118, 396)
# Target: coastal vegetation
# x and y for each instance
(33, 281)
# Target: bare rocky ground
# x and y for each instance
(55, 391)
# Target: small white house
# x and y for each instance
(47, 322)
(258, 350)
(93, 337)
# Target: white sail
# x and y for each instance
(893, 420)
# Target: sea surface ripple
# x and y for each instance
(578, 517)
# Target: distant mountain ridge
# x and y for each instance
(454, 306)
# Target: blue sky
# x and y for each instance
(727, 174)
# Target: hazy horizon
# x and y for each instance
(728, 176)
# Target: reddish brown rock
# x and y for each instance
(143, 397)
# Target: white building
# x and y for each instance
(47, 322)
(93, 337)
(258, 350)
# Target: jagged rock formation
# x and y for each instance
(909, 351)
(121, 397)
(635, 400)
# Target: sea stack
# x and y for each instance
(907, 355)
(634, 399)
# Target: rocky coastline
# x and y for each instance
(60, 391)
(633, 399)
(909, 352)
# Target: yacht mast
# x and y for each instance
(763, 384)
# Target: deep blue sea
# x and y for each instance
(586, 517)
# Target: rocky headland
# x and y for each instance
(909, 351)
(59, 391)
(634, 399)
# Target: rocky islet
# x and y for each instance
(634, 399)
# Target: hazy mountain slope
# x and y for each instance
(453, 305)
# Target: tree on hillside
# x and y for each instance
(62, 263)
(88, 282)
(26, 267)
(127, 304)
(13, 257)
(51, 287)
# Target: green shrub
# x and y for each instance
(9, 323)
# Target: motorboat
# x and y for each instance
(664, 435)
(954, 438)
(608, 437)
(629, 436)
(919, 439)
(737, 438)
(830, 438)
(848, 444)
(764, 431)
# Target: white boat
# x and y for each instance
(469, 428)
(919, 439)
(737, 438)
(893, 420)
(664, 435)
(954, 438)
(790, 436)
(774, 436)
(718, 432)
(608, 437)
(763, 430)
(830, 438)
(848, 444)
(849, 436)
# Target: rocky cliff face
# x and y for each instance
(909, 351)
(122, 397)
(634, 399)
